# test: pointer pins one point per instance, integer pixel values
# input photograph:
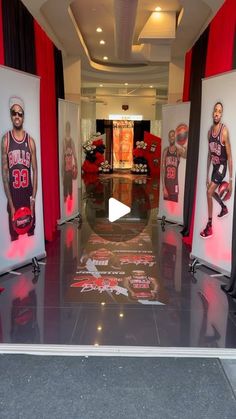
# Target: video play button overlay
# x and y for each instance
(117, 210)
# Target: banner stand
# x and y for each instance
(70, 150)
(74, 217)
(175, 121)
(198, 261)
(22, 235)
(213, 248)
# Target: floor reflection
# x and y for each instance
(121, 283)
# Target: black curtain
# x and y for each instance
(59, 77)
(18, 35)
(197, 73)
(139, 128)
(100, 125)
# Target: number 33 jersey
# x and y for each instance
(19, 164)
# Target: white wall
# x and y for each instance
(141, 104)
(72, 79)
(176, 80)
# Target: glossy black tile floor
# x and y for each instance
(125, 283)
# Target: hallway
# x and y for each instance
(125, 283)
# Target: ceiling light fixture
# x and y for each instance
(99, 30)
(126, 84)
(158, 9)
(157, 15)
(151, 87)
(102, 42)
(105, 58)
(100, 85)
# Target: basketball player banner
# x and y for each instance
(69, 159)
(175, 122)
(212, 236)
(22, 231)
(123, 138)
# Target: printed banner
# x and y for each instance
(123, 138)
(22, 231)
(175, 122)
(69, 159)
(213, 221)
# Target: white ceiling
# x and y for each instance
(139, 47)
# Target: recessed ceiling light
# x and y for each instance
(100, 85)
(102, 42)
(126, 84)
(105, 58)
(158, 9)
(121, 315)
(151, 87)
(99, 29)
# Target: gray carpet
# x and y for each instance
(93, 388)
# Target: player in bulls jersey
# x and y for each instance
(19, 166)
(219, 154)
(170, 164)
(69, 162)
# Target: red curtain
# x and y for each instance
(187, 76)
(1, 37)
(44, 50)
(221, 40)
(153, 153)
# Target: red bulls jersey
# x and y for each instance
(217, 148)
(68, 155)
(171, 171)
(19, 163)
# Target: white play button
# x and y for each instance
(117, 210)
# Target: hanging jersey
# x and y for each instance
(217, 148)
(19, 164)
(171, 171)
(68, 156)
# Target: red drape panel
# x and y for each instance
(44, 50)
(221, 40)
(1, 37)
(187, 75)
